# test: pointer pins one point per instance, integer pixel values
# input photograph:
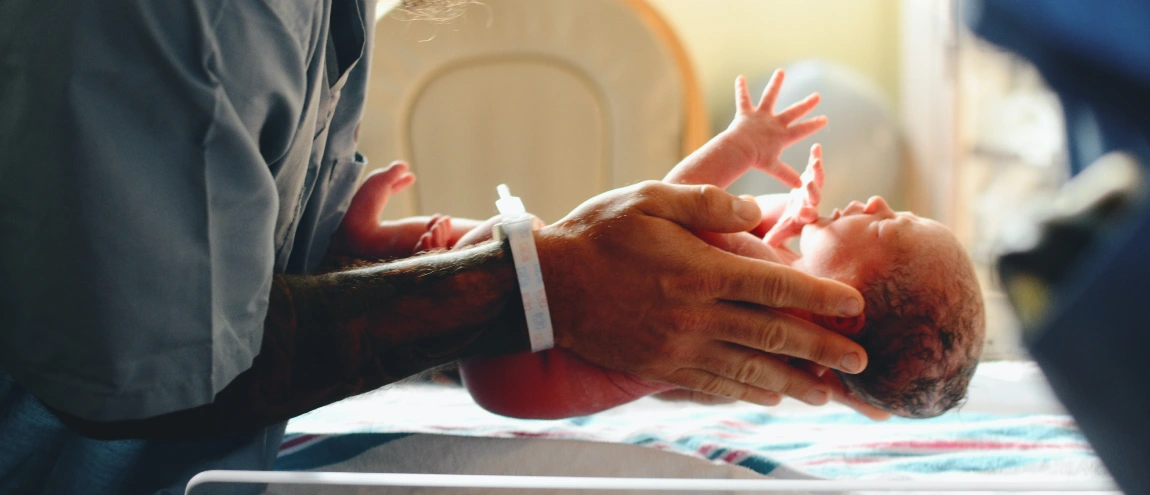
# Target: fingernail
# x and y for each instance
(747, 210)
(851, 307)
(818, 397)
(851, 363)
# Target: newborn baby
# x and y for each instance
(923, 322)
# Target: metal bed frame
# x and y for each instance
(634, 484)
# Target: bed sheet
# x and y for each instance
(1009, 427)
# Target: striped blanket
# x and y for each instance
(791, 441)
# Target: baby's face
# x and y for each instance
(860, 240)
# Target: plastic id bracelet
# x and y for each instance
(518, 227)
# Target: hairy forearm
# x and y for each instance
(332, 336)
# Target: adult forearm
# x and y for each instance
(331, 336)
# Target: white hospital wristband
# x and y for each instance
(518, 227)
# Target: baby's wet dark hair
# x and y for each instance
(923, 333)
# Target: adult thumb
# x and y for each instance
(706, 208)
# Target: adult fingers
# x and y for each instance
(743, 95)
(798, 110)
(760, 370)
(842, 395)
(710, 383)
(775, 332)
(740, 243)
(705, 207)
(778, 286)
(684, 395)
(771, 92)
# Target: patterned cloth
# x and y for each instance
(794, 441)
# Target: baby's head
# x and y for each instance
(924, 313)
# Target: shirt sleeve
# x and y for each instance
(137, 207)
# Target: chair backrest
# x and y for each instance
(560, 99)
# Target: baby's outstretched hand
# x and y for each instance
(803, 204)
(763, 134)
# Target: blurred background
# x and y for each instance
(563, 99)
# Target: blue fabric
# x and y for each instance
(159, 161)
(1096, 55)
(39, 455)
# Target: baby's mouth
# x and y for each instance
(825, 221)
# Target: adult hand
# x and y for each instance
(840, 393)
(631, 288)
(684, 395)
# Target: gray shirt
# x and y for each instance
(159, 161)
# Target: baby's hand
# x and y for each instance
(763, 134)
(803, 204)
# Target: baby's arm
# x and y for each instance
(755, 138)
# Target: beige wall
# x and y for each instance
(726, 38)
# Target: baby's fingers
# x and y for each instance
(815, 166)
(771, 92)
(808, 214)
(803, 129)
(785, 174)
(743, 95)
(783, 230)
(798, 110)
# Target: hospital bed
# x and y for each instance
(1010, 430)
(561, 100)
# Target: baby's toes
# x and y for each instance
(437, 236)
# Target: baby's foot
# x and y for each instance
(361, 232)
(394, 179)
(437, 236)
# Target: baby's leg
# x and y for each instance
(364, 233)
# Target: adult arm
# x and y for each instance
(332, 336)
(630, 287)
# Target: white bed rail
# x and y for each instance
(633, 484)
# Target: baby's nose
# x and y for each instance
(877, 205)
